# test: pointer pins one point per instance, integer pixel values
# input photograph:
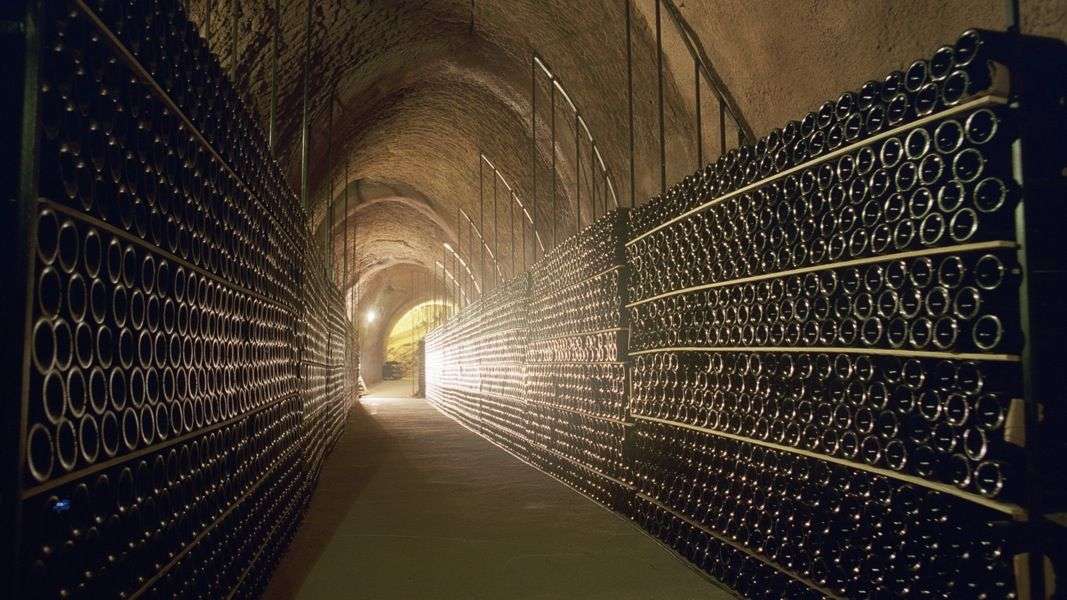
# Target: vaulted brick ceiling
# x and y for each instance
(419, 87)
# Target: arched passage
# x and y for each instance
(405, 338)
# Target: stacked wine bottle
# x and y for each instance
(474, 365)
(815, 386)
(185, 374)
(841, 299)
(575, 361)
(325, 392)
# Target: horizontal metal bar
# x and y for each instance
(838, 350)
(52, 484)
(590, 278)
(159, 250)
(582, 465)
(972, 247)
(1005, 507)
(729, 542)
(579, 412)
(550, 363)
(576, 334)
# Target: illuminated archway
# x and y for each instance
(403, 341)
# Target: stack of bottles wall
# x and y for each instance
(833, 386)
(827, 339)
(184, 368)
(324, 339)
(475, 365)
(575, 361)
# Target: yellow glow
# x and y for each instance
(408, 330)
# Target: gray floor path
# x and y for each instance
(412, 505)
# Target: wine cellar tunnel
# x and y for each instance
(718, 299)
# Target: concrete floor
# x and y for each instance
(412, 505)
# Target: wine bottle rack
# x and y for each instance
(475, 365)
(575, 362)
(824, 381)
(188, 364)
(847, 295)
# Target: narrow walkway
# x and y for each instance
(411, 505)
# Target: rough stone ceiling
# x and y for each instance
(419, 87)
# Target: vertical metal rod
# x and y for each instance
(344, 224)
(593, 200)
(722, 127)
(411, 334)
(552, 149)
(474, 285)
(468, 280)
(592, 182)
(233, 41)
(511, 228)
(444, 274)
(533, 140)
(659, 102)
(304, 138)
(1014, 20)
(272, 125)
(328, 262)
(327, 231)
(598, 191)
(459, 235)
(481, 219)
(522, 239)
(630, 99)
(207, 21)
(355, 260)
(496, 237)
(700, 124)
(577, 176)
(23, 185)
(604, 192)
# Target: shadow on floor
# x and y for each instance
(347, 471)
(412, 505)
